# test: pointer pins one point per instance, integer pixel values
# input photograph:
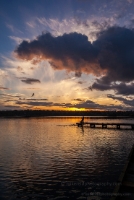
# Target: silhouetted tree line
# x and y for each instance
(39, 113)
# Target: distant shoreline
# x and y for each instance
(91, 117)
(54, 113)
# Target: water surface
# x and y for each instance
(51, 158)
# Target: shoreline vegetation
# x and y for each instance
(58, 113)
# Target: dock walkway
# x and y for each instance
(106, 125)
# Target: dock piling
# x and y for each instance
(118, 126)
(104, 125)
(92, 125)
(132, 126)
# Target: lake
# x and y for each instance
(52, 158)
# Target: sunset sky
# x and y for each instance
(67, 54)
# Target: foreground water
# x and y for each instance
(51, 158)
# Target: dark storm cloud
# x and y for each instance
(111, 55)
(30, 80)
(129, 102)
(121, 88)
(99, 85)
(116, 54)
(124, 89)
(88, 104)
(72, 52)
(117, 58)
(92, 105)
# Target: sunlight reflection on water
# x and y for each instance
(51, 158)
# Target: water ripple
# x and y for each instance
(47, 158)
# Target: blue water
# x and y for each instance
(51, 158)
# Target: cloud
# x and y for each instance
(40, 103)
(34, 103)
(30, 80)
(110, 57)
(72, 52)
(116, 52)
(78, 99)
(89, 26)
(37, 99)
(13, 107)
(19, 68)
(120, 88)
(11, 27)
(10, 95)
(125, 89)
(3, 73)
(130, 1)
(16, 39)
(80, 82)
(98, 85)
(127, 102)
(88, 104)
(3, 88)
(92, 105)
(32, 88)
(117, 58)
(31, 24)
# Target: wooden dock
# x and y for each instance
(106, 125)
(125, 190)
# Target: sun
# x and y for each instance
(76, 109)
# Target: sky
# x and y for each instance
(67, 54)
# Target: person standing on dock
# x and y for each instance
(82, 121)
